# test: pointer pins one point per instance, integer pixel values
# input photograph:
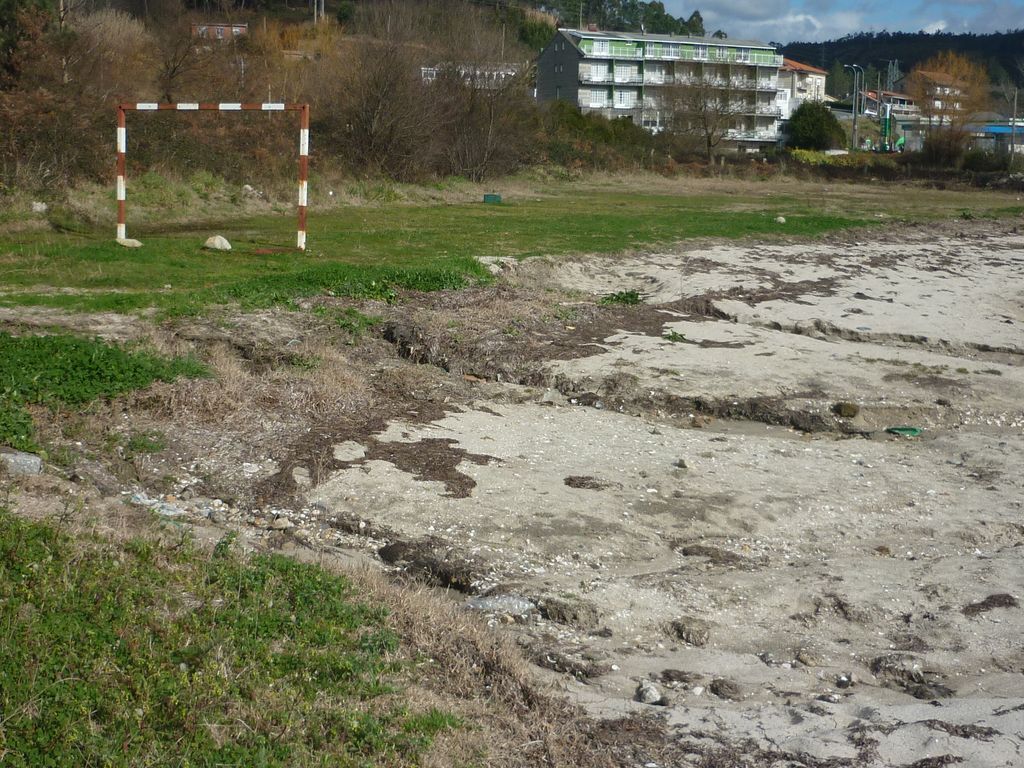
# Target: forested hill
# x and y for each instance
(1001, 52)
(624, 16)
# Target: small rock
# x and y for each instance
(681, 464)
(808, 658)
(38, 207)
(217, 243)
(97, 475)
(302, 477)
(19, 463)
(350, 450)
(780, 219)
(845, 409)
(281, 524)
(648, 693)
(844, 680)
(692, 631)
(724, 688)
(575, 612)
(128, 242)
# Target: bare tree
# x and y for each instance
(950, 90)
(707, 107)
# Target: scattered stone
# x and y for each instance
(830, 698)
(648, 693)
(129, 242)
(586, 482)
(681, 464)
(844, 680)
(281, 524)
(679, 676)
(38, 207)
(780, 219)
(19, 463)
(724, 688)
(692, 631)
(217, 243)
(570, 664)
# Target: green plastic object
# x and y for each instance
(491, 198)
(905, 431)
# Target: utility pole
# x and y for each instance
(1013, 132)
(858, 72)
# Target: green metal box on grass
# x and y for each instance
(492, 198)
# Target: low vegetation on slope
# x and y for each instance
(147, 654)
(62, 370)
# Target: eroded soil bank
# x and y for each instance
(688, 509)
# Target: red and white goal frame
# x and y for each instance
(122, 147)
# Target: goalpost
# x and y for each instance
(122, 146)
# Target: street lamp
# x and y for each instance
(858, 82)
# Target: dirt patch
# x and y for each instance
(587, 482)
(434, 459)
(991, 602)
(434, 561)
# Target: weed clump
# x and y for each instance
(621, 298)
(71, 371)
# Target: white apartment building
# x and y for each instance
(642, 77)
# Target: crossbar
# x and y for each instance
(221, 106)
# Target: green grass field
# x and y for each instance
(371, 250)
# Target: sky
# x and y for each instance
(785, 21)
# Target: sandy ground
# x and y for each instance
(806, 593)
(689, 509)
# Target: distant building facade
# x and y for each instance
(486, 76)
(640, 77)
(799, 83)
(219, 30)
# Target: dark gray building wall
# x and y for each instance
(558, 70)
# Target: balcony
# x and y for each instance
(614, 53)
(769, 111)
(590, 77)
(656, 52)
(628, 80)
(742, 135)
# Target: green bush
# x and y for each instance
(980, 161)
(813, 126)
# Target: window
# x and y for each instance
(743, 55)
(625, 73)
(701, 52)
(601, 47)
(598, 72)
(625, 99)
(598, 98)
(558, 91)
(219, 32)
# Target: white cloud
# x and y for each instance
(935, 26)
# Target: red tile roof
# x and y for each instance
(796, 66)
